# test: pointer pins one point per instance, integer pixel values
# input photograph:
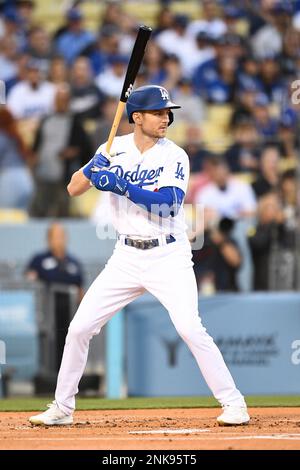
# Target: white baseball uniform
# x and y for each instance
(166, 271)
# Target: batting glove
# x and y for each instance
(101, 160)
(108, 181)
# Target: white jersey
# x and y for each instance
(164, 164)
(26, 102)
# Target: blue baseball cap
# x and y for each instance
(231, 11)
(230, 39)
(11, 14)
(74, 14)
(282, 7)
(118, 59)
(181, 20)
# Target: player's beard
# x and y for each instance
(155, 134)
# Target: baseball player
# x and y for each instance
(147, 179)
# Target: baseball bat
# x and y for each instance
(132, 71)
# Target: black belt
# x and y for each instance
(147, 244)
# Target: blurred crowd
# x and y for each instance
(233, 67)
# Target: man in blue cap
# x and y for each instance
(72, 42)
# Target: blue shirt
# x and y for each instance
(10, 156)
(70, 45)
(53, 270)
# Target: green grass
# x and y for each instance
(35, 404)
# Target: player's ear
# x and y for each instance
(137, 117)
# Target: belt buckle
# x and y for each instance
(140, 244)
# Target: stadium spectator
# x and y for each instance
(258, 14)
(14, 27)
(266, 125)
(193, 108)
(75, 38)
(289, 56)
(21, 62)
(153, 62)
(32, 97)
(195, 149)
(225, 196)
(61, 146)
(40, 47)
(56, 268)
(248, 77)
(269, 174)
(203, 53)
(25, 10)
(85, 95)
(222, 88)
(232, 16)
(268, 38)
(211, 21)
(106, 46)
(272, 82)
(56, 265)
(115, 15)
(243, 155)
(112, 14)
(58, 71)
(272, 247)
(173, 73)
(110, 82)
(197, 153)
(289, 139)
(220, 72)
(217, 262)
(8, 58)
(175, 41)
(164, 20)
(16, 182)
(103, 124)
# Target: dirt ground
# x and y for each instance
(182, 429)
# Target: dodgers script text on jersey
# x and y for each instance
(164, 164)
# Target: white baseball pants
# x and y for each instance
(167, 273)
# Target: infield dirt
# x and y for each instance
(269, 428)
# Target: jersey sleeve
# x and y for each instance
(176, 172)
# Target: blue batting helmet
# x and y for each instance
(150, 98)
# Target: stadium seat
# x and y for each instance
(214, 137)
(84, 205)
(219, 114)
(246, 177)
(13, 216)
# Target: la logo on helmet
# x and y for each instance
(164, 94)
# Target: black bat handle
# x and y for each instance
(136, 58)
